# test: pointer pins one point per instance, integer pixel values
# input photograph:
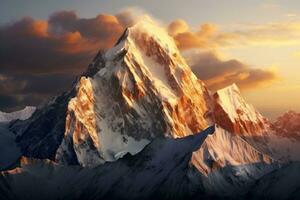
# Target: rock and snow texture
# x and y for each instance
(234, 114)
(154, 173)
(288, 125)
(224, 148)
(21, 114)
(41, 134)
(234, 182)
(9, 151)
(284, 140)
(136, 91)
(141, 89)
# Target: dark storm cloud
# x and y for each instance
(20, 90)
(40, 58)
(31, 46)
(8, 102)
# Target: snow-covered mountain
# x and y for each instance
(288, 125)
(284, 139)
(224, 148)
(21, 114)
(234, 114)
(132, 95)
(160, 171)
(151, 174)
(139, 90)
(9, 151)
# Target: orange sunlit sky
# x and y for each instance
(254, 43)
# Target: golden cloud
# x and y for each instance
(177, 27)
(209, 36)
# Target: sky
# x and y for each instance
(255, 43)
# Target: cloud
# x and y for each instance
(206, 36)
(218, 73)
(201, 48)
(39, 58)
(129, 16)
(63, 43)
(209, 35)
(271, 34)
(104, 28)
(177, 27)
(31, 89)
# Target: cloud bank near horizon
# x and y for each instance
(40, 58)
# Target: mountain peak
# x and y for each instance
(143, 89)
(234, 114)
(288, 125)
(140, 89)
(147, 27)
(151, 29)
(232, 87)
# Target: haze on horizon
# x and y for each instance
(45, 44)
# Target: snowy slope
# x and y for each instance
(154, 173)
(234, 114)
(224, 148)
(21, 114)
(161, 170)
(236, 181)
